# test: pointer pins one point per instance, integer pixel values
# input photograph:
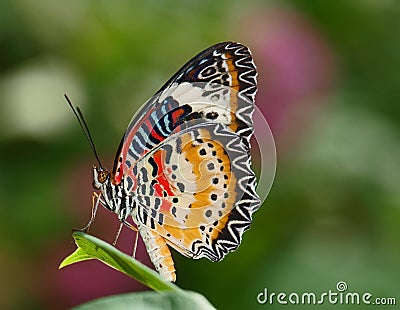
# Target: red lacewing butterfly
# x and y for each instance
(182, 170)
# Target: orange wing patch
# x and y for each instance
(199, 172)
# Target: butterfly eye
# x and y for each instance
(102, 176)
(99, 177)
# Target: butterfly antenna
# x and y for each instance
(84, 127)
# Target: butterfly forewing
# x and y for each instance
(226, 64)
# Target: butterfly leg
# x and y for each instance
(135, 244)
(159, 253)
(129, 225)
(98, 199)
(118, 233)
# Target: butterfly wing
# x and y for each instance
(218, 85)
(185, 156)
(197, 190)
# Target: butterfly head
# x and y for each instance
(100, 177)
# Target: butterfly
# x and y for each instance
(183, 168)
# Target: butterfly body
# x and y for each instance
(182, 170)
(119, 199)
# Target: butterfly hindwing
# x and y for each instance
(196, 189)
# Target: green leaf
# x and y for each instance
(78, 256)
(90, 247)
(169, 296)
(149, 300)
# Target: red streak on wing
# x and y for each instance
(152, 132)
(158, 190)
(163, 182)
(118, 175)
(165, 206)
(176, 116)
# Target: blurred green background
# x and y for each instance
(329, 74)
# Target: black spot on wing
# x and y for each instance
(153, 164)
